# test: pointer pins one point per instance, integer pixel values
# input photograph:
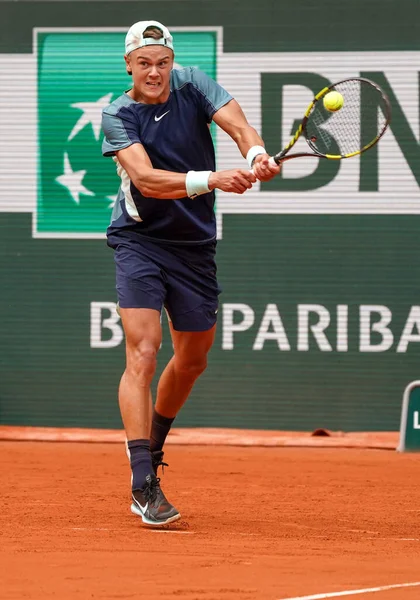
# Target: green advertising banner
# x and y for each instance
(410, 419)
(79, 74)
(319, 319)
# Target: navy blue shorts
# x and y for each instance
(180, 278)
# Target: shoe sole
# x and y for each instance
(136, 511)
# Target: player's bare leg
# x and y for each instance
(176, 382)
(143, 337)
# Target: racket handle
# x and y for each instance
(271, 161)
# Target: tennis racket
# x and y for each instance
(351, 130)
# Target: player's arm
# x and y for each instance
(155, 183)
(232, 120)
(168, 185)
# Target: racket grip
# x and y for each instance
(271, 161)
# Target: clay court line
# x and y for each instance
(355, 592)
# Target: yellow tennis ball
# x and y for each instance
(333, 101)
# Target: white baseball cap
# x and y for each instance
(134, 38)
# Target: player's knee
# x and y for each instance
(192, 366)
(142, 360)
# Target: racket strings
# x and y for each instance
(360, 121)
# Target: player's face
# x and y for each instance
(151, 69)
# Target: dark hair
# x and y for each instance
(151, 32)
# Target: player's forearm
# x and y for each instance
(164, 185)
(247, 137)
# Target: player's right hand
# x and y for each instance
(236, 180)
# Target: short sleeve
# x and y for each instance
(213, 95)
(121, 131)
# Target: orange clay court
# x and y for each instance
(258, 523)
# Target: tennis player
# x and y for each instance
(163, 232)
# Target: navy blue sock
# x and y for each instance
(140, 461)
(160, 429)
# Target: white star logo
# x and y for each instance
(113, 200)
(72, 180)
(92, 113)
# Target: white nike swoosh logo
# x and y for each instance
(142, 508)
(161, 116)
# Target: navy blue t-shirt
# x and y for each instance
(176, 137)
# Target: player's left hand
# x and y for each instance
(263, 170)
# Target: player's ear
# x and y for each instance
(127, 65)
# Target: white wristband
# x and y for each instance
(196, 183)
(253, 152)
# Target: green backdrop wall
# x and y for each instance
(320, 314)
